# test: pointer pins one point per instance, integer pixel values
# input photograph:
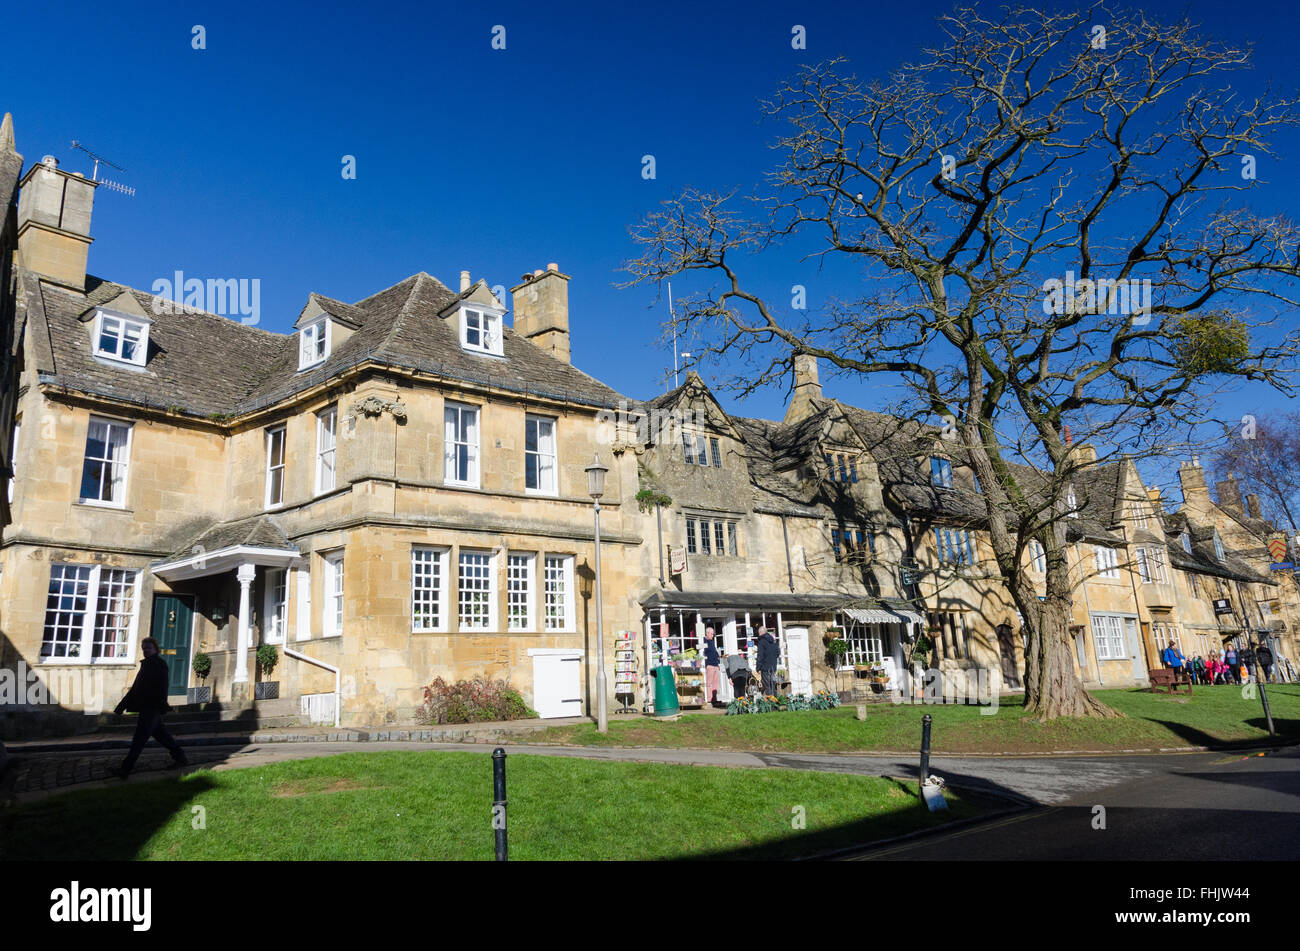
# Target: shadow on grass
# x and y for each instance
(1194, 737)
(106, 824)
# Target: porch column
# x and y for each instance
(244, 575)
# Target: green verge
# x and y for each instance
(1213, 716)
(435, 805)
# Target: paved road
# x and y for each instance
(1203, 807)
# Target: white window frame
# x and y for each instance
(283, 430)
(1218, 547)
(1072, 503)
(567, 606)
(86, 641)
(275, 610)
(941, 474)
(1143, 566)
(489, 329)
(1139, 514)
(1106, 636)
(1037, 556)
(464, 620)
(1107, 560)
(450, 443)
(521, 590)
(314, 343)
(125, 326)
(542, 488)
(956, 546)
(327, 424)
(13, 459)
(115, 503)
(332, 608)
(1186, 539)
(437, 559)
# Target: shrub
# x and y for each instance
(472, 701)
(821, 700)
(202, 665)
(268, 655)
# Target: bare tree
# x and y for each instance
(1042, 213)
(1264, 454)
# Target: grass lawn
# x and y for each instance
(432, 805)
(1212, 716)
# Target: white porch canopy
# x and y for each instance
(244, 561)
(883, 616)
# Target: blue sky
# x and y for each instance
(498, 161)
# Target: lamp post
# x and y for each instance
(596, 488)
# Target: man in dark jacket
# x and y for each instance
(148, 697)
(768, 657)
(1265, 657)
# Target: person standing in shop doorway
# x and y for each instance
(711, 663)
(768, 657)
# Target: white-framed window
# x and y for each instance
(1152, 566)
(1108, 632)
(715, 536)
(1186, 539)
(303, 585)
(313, 343)
(13, 460)
(1138, 512)
(559, 603)
(539, 455)
(275, 467)
(1143, 567)
(1037, 556)
(480, 329)
(332, 615)
(120, 338)
(326, 447)
(460, 444)
(1107, 561)
(955, 546)
(521, 571)
(940, 473)
(1072, 503)
(865, 645)
(108, 451)
(476, 591)
(91, 614)
(1218, 546)
(276, 609)
(428, 589)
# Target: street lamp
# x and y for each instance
(596, 488)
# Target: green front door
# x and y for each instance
(173, 623)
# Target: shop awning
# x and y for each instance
(883, 616)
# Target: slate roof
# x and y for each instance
(207, 365)
(1204, 560)
(258, 531)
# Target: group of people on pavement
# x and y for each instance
(1228, 666)
(737, 664)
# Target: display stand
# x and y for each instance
(690, 685)
(625, 672)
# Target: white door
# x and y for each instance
(796, 639)
(557, 684)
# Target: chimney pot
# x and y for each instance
(537, 273)
(464, 281)
(552, 266)
(51, 161)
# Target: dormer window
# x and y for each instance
(940, 473)
(480, 330)
(313, 343)
(120, 338)
(1218, 546)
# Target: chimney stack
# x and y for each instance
(464, 281)
(541, 306)
(1252, 506)
(1192, 479)
(54, 223)
(1157, 501)
(807, 388)
(1229, 493)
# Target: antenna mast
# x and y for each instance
(673, 320)
(94, 175)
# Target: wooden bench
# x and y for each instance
(1169, 679)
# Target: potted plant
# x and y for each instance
(202, 665)
(832, 634)
(268, 655)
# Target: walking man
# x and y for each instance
(148, 698)
(768, 657)
(1265, 657)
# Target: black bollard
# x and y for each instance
(925, 748)
(499, 802)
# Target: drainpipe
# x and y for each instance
(789, 568)
(659, 525)
(338, 694)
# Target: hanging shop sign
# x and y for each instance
(676, 559)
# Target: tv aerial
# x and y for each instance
(94, 175)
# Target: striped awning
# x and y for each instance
(882, 616)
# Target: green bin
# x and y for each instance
(665, 692)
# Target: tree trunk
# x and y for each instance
(1051, 687)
